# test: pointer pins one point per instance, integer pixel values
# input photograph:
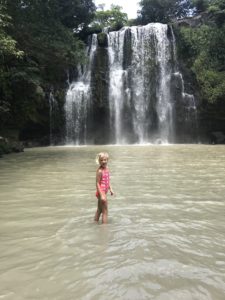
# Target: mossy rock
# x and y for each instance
(4, 147)
(102, 39)
(8, 146)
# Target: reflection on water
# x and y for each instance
(165, 237)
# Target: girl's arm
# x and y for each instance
(111, 190)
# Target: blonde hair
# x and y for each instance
(101, 155)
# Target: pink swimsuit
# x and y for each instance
(104, 183)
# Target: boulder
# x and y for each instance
(217, 137)
(8, 146)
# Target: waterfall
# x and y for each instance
(125, 94)
(189, 110)
(78, 102)
(185, 103)
(164, 105)
(53, 106)
(116, 87)
(140, 85)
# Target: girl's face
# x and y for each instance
(103, 161)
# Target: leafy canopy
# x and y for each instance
(163, 10)
(38, 46)
(204, 52)
(114, 19)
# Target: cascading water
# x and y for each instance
(187, 108)
(116, 87)
(185, 102)
(78, 102)
(140, 84)
(124, 94)
(53, 110)
(164, 105)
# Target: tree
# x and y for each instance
(73, 14)
(44, 31)
(200, 5)
(217, 9)
(163, 10)
(113, 18)
(203, 50)
(8, 50)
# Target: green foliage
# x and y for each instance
(200, 5)
(102, 39)
(204, 51)
(8, 51)
(218, 4)
(212, 84)
(114, 18)
(7, 43)
(39, 43)
(217, 9)
(163, 10)
(72, 14)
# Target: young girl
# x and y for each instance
(102, 186)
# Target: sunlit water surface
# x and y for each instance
(165, 237)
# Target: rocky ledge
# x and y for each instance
(9, 146)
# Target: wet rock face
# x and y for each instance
(99, 123)
(185, 111)
(195, 21)
(212, 123)
(218, 137)
(102, 39)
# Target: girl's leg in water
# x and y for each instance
(104, 207)
(98, 211)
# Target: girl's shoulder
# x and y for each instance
(99, 170)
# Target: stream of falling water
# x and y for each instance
(136, 92)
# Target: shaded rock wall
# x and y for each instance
(98, 119)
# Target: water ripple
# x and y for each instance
(165, 236)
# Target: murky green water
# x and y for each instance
(166, 233)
